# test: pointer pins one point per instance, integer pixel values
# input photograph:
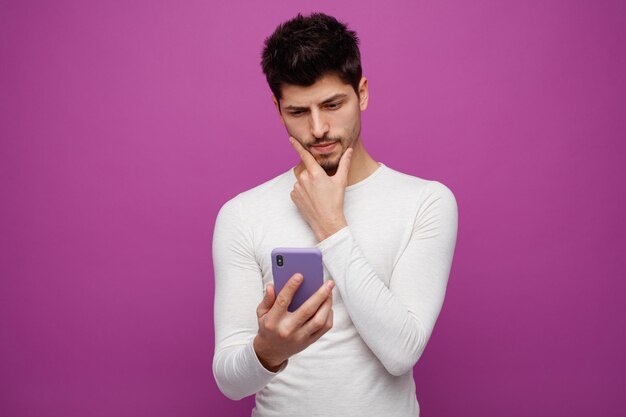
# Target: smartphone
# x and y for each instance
(306, 261)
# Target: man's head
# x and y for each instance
(303, 49)
(313, 67)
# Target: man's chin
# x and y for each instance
(329, 166)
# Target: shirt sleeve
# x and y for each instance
(238, 291)
(397, 321)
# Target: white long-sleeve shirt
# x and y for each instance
(390, 266)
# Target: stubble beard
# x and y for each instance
(330, 162)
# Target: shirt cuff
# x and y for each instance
(262, 370)
(333, 239)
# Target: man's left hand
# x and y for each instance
(319, 197)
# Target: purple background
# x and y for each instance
(124, 127)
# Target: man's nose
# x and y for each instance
(319, 126)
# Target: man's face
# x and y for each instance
(325, 113)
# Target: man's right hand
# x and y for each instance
(282, 334)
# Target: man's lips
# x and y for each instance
(324, 147)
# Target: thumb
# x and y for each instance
(344, 164)
(267, 302)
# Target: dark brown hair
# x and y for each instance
(304, 49)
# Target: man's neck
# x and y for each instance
(361, 166)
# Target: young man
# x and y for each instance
(387, 241)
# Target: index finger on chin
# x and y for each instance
(309, 161)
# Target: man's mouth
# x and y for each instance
(324, 147)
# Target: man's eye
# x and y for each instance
(333, 106)
(296, 113)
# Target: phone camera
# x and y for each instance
(279, 260)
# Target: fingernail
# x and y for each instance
(330, 285)
(297, 278)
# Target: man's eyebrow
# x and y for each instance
(291, 107)
(335, 97)
(328, 100)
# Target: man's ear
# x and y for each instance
(363, 94)
(277, 105)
